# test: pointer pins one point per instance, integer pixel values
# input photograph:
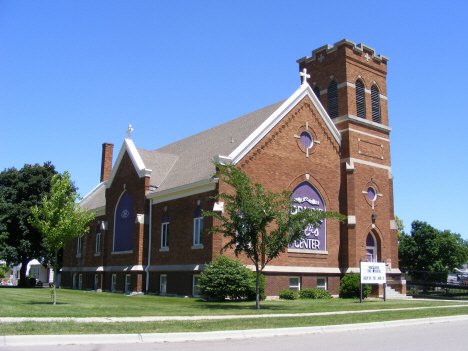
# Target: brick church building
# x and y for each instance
(328, 143)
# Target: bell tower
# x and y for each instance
(349, 79)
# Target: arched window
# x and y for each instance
(371, 248)
(360, 99)
(123, 224)
(375, 98)
(306, 196)
(198, 227)
(317, 92)
(332, 97)
(165, 231)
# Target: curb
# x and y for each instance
(95, 339)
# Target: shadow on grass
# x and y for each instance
(45, 303)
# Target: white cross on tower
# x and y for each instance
(321, 58)
(129, 130)
(304, 75)
(367, 57)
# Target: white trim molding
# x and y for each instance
(199, 187)
(364, 133)
(363, 121)
(298, 269)
(351, 161)
(103, 269)
(308, 252)
(177, 267)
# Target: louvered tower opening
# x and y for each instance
(375, 97)
(317, 92)
(360, 99)
(332, 93)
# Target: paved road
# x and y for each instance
(438, 336)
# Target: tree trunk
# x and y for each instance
(257, 287)
(55, 275)
(22, 282)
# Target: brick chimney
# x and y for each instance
(106, 163)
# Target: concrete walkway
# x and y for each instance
(96, 339)
(195, 318)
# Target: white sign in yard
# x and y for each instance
(373, 273)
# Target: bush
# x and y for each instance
(287, 294)
(252, 294)
(309, 293)
(349, 287)
(225, 277)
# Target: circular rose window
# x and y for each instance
(371, 193)
(307, 140)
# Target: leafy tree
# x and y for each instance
(401, 227)
(259, 223)
(21, 189)
(225, 277)
(429, 254)
(60, 218)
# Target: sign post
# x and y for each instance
(373, 273)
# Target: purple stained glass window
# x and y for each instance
(306, 140)
(370, 240)
(123, 238)
(306, 196)
(371, 193)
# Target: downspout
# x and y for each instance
(149, 244)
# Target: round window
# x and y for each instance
(371, 193)
(307, 140)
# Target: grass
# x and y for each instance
(76, 303)
(50, 328)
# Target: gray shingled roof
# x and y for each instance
(188, 160)
(195, 152)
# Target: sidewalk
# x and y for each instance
(195, 318)
(95, 339)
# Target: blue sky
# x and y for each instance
(74, 74)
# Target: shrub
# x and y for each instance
(252, 294)
(225, 277)
(309, 293)
(349, 287)
(287, 294)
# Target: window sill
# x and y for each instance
(97, 254)
(121, 252)
(162, 249)
(78, 255)
(304, 251)
(197, 247)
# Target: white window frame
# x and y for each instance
(294, 287)
(114, 283)
(163, 284)
(128, 282)
(197, 231)
(373, 248)
(164, 235)
(96, 281)
(78, 246)
(325, 285)
(196, 292)
(98, 243)
(80, 281)
(74, 281)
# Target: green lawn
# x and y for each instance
(74, 303)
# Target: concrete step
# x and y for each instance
(392, 294)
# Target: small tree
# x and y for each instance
(259, 223)
(60, 218)
(225, 277)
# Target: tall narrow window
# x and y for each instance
(123, 224)
(332, 97)
(74, 281)
(371, 248)
(196, 286)
(162, 284)
(197, 227)
(375, 98)
(98, 239)
(114, 283)
(360, 99)
(80, 281)
(128, 281)
(317, 92)
(96, 281)
(78, 246)
(165, 231)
